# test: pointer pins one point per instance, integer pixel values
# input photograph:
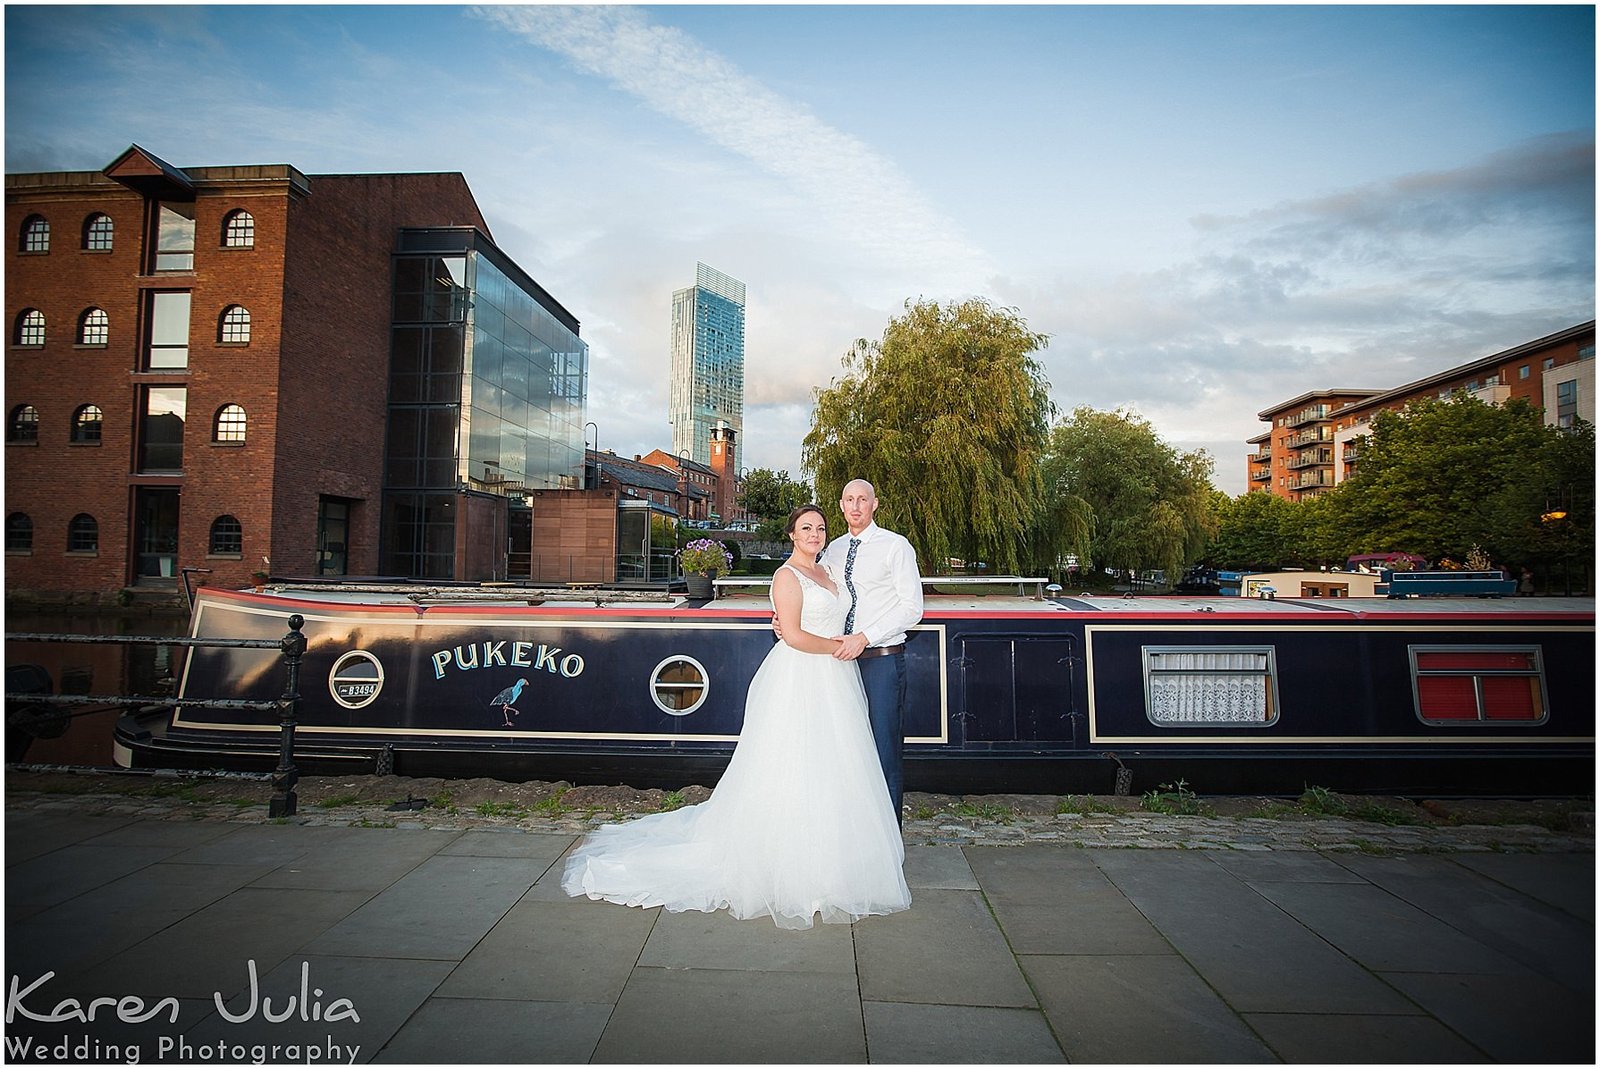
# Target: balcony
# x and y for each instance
(1307, 415)
(1311, 458)
(1312, 479)
(1263, 456)
(1260, 475)
(1311, 437)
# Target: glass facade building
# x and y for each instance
(487, 385)
(707, 378)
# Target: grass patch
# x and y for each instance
(552, 805)
(999, 814)
(1321, 801)
(924, 812)
(1172, 799)
(499, 809)
(1082, 803)
(673, 800)
(338, 800)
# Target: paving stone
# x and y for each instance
(1356, 1039)
(713, 1016)
(901, 1033)
(1146, 1009)
(503, 1031)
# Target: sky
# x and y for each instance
(1208, 210)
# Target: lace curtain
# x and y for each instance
(1210, 686)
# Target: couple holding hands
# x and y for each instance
(806, 819)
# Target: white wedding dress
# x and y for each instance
(800, 823)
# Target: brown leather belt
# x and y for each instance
(882, 651)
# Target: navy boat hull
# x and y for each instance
(1006, 697)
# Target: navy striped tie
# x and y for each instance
(849, 570)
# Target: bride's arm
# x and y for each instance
(787, 598)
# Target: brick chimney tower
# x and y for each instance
(726, 469)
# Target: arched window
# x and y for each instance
(35, 234)
(97, 232)
(83, 534)
(239, 230)
(229, 424)
(227, 536)
(30, 328)
(94, 328)
(86, 424)
(23, 426)
(19, 533)
(235, 326)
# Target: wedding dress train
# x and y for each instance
(800, 824)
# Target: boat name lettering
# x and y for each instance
(522, 654)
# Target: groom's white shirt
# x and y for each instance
(888, 586)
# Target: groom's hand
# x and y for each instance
(850, 646)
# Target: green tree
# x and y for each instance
(1151, 506)
(947, 416)
(770, 496)
(1255, 532)
(1440, 476)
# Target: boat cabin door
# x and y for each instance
(1017, 688)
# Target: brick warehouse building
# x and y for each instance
(211, 366)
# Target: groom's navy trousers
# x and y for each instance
(884, 679)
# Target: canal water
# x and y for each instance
(90, 668)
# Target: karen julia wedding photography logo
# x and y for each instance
(169, 1040)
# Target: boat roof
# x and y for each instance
(755, 599)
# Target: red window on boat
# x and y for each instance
(1476, 685)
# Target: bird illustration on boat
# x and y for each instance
(506, 701)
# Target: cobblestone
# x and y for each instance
(1107, 823)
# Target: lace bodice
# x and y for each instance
(821, 611)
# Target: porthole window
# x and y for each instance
(235, 326)
(239, 231)
(35, 234)
(230, 424)
(30, 328)
(679, 685)
(19, 533)
(94, 328)
(1233, 686)
(23, 426)
(227, 536)
(87, 423)
(83, 534)
(97, 232)
(1471, 685)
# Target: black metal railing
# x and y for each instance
(291, 645)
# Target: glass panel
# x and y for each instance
(175, 238)
(1209, 685)
(156, 533)
(169, 330)
(1447, 698)
(161, 433)
(1511, 698)
(1518, 660)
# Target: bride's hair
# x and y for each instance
(794, 517)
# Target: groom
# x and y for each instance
(884, 591)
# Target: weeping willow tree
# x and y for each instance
(947, 417)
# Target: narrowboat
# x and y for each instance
(1009, 692)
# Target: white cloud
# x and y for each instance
(864, 198)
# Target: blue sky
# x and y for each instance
(1208, 209)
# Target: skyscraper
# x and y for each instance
(707, 385)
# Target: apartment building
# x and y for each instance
(1313, 440)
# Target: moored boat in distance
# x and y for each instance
(1009, 691)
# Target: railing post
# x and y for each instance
(286, 775)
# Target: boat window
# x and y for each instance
(679, 685)
(1228, 685)
(1455, 685)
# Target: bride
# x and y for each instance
(800, 823)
